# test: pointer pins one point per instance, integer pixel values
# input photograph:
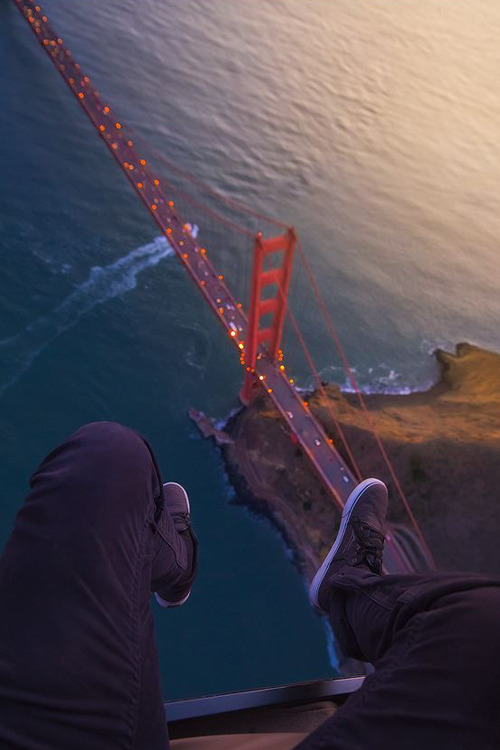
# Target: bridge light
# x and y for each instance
(157, 182)
(37, 8)
(220, 277)
(44, 19)
(169, 230)
(269, 390)
(71, 80)
(249, 369)
(306, 403)
(291, 381)
(106, 110)
(102, 128)
(140, 185)
(221, 311)
(241, 345)
(239, 305)
(113, 145)
(154, 206)
(184, 255)
(125, 164)
(81, 95)
(261, 377)
(203, 250)
(232, 333)
(130, 143)
(117, 125)
(131, 167)
(60, 41)
(171, 204)
(143, 162)
(282, 368)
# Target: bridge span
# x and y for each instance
(334, 472)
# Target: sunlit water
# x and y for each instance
(372, 126)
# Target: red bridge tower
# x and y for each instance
(265, 276)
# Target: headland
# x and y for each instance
(444, 444)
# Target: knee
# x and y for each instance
(484, 603)
(109, 435)
(113, 445)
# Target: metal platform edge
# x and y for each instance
(301, 692)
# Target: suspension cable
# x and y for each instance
(321, 388)
(362, 402)
(262, 217)
(212, 191)
(210, 211)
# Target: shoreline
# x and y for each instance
(444, 443)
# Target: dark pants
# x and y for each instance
(78, 659)
(434, 641)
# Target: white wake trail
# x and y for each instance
(18, 352)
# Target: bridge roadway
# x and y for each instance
(330, 466)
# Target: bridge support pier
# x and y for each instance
(271, 274)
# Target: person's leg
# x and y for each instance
(367, 610)
(437, 669)
(78, 660)
(432, 639)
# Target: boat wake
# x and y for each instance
(17, 353)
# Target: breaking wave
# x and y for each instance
(17, 353)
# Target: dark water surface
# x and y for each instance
(374, 130)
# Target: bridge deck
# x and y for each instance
(333, 471)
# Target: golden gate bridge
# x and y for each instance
(258, 347)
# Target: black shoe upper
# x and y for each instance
(361, 543)
(367, 547)
(177, 502)
(173, 593)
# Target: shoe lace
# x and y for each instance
(370, 544)
(182, 521)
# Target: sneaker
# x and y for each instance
(177, 502)
(360, 540)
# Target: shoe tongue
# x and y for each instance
(370, 536)
(373, 521)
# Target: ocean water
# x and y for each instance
(370, 125)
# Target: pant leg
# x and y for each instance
(367, 610)
(78, 659)
(435, 643)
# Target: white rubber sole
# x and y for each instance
(346, 514)
(170, 605)
(176, 484)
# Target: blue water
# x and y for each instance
(373, 131)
